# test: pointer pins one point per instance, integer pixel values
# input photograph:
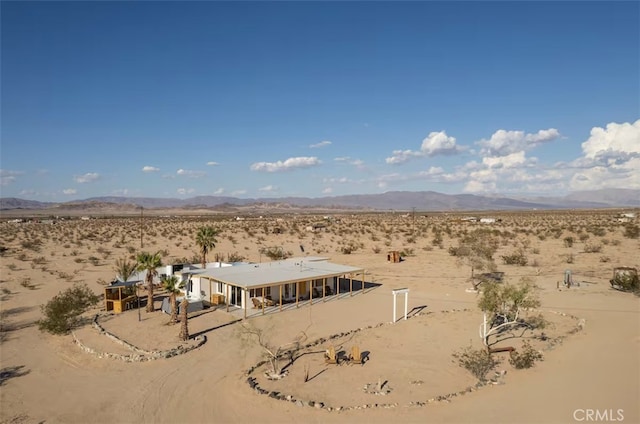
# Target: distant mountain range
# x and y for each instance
(393, 200)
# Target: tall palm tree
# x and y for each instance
(124, 269)
(172, 284)
(149, 262)
(206, 239)
(184, 320)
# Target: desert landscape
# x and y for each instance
(590, 347)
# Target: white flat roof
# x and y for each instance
(278, 272)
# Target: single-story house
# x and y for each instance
(284, 281)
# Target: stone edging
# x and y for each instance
(253, 384)
(139, 355)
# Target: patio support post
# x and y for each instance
(324, 284)
(350, 285)
(362, 281)
(297, 292)
(280, 289)
(310, 292)
(244, 298)
(228, 297)
(263, 301)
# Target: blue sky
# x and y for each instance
(274, 99)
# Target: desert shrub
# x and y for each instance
(235, 257)
(584, 237)
(568, 241)
(349, 247)
(3, 250)
(407, 251)
(615, 242)
(376, 249)
(477, 361)
(26, 282)
(62, 313)
(12, 266)
(274, 253)
(516, 258)
(592, 248)
(569, 258)
(526, 358)
(94, 261)
(632, 231)
(31, 244)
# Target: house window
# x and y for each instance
(258, 292)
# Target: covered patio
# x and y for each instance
(281, 285)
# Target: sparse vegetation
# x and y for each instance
(477, 361)
(63, 312)
(526, 358)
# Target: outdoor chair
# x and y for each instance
(355, 357)
(330, 356)
(328, 290)
(256, 303)
(268, 302)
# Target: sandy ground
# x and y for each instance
(49, 379)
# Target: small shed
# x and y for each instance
(120, 296)
(393, 256)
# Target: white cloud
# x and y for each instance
(219, 191)
(341, 180)
(121, 192)
(268, 188)
(319, 145)
(89, 177)
(615, 138)
(509, 161)
(183, 191)
(359, 163)
(287, 165)
(327, 190)
(238, 192)
(611, 158)
(69, 191)
(150, 169)
(504, 142)
(190, 173)
(436, 143)
(7, 177)
(212, 163)
(28, 192)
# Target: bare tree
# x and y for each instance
(271, 351)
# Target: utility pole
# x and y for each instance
(414, 221)
(141, 218)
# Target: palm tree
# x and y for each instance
(206, 239)
(172, 284)
(124, 269)
(149, 262)
(184, 323)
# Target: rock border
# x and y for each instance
(446, 398)
(139, 355)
